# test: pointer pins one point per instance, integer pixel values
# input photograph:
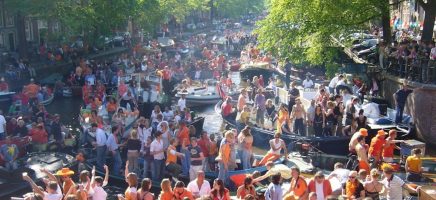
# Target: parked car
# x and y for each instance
(366, 44)
(356, 38)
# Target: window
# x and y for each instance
(10, 21)
(1, 17)
(29, 30)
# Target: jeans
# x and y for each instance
(148, 166)
(101, 156)
(260, 117)
(11, 165)
(399, 115)
(299, 127)
(186, 165)
(246, 159)
(158, 170)
(2, 136)
(223, 174)
(116, 159)
(132, 157)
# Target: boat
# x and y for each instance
(6, 96)
(208, 94)
(330, 145)
(165, 42)
(11, 182)
(249, 70)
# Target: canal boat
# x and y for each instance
(6, 96)
(208, 93)
(11, 182)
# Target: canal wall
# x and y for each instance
(421, 105)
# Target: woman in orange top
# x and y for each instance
(283, 116)
(298, 189)
(246, 189)
(224, 156)
(167, 192)
(183, 134)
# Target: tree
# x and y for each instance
(302, 29)
(180, 9)
(430, 14)
(236, 8)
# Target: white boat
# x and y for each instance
(6, 96)
(207, 93)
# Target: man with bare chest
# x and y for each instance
(299, 116)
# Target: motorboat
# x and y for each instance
(208, 93)
(11, 182)
(6, 96)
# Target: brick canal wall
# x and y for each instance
(421, 105)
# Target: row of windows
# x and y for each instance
(6, 19)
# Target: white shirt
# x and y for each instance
(100, 137)
(319, 191)
(2, 124)
(182, 104)
(154, 116)
(333, 82)
(144, 133)
(394, 187)
(307, 83)
(341, 174)
(168, 115)
(99, 193)
(341, 82)
(203, 190)
(157, 146)
(57, 196)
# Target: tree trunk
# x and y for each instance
(212, 11)
(21, 36)
(429, 18)
(385, 20)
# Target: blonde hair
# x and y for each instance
(134, 134)
(229, 134)
(166, 185)
(132, 179)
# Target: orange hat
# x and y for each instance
(363, 132)
(65, 172)
(381, 133)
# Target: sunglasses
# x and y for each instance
(351, 177)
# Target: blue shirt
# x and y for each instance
(9, 152)
(100, 137)
(260, 101)
(111, 143)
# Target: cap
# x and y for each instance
(363, 131)
(381, 133)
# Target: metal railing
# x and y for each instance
(422, 70)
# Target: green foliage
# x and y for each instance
(302, 29)
(236, 8)
(180, 9)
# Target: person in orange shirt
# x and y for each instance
(65, 174)
(376, 147)
(283, 115)
(171, 163)
(183, 134)
(166, 191)
(224, 156)
(298, 189)
(413, 166)
(390, 146)
(32, 89)
(181, 193)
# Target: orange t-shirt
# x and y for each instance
(183, 135)
(111, 107)
(298, 186)
(170, 157)
(376, 147)
(388, 152)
